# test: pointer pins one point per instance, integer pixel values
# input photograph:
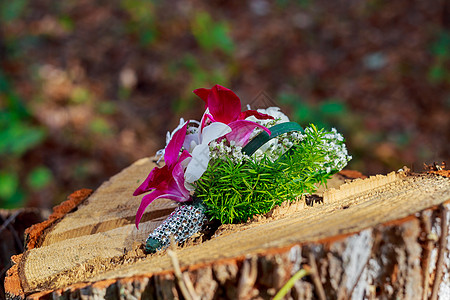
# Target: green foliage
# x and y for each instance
(440, 49)
(17, 137)
(305, 3)
(11, 100)
(107, 108)
(11, 10)
(18, 134)
(9, 182)
(67, 23)
(100, 126)
(332, 108)
(199, 75)
(282, 3)
(202, 68)
(11, 195)
(324, 115)
(235, 192)
(39, 178)
(143, 21)
(80, 95)
(212, 35)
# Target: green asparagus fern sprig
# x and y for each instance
(234, 192)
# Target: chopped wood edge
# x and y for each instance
(445, 173)
(361, 185)
(33, 236)
(13, 285)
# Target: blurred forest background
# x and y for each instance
(88, 87)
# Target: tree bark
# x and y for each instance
(12, 226)
(377, 238)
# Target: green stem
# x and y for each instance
(290, 283)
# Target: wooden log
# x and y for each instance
(380, 237)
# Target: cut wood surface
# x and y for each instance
(365, 231)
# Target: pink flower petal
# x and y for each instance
(173, 148)
(241, 131)
(203, 94)
(156, 178)
(146, 200)
(174, 190)
(245, 114)
(223, 104)
(178, 176)
(206, 120)
(183, 156)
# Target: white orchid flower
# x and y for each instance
(200, 152)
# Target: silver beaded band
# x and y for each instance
(182, 223)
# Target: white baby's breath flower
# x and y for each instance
(224, 149)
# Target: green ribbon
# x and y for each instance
(275, 131)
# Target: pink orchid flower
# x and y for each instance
(222, 105)
(168, 181)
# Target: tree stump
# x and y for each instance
(379, 237)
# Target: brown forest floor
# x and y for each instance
(100, 82)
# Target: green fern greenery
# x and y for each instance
(234, 192)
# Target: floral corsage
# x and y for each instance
(235, 164)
